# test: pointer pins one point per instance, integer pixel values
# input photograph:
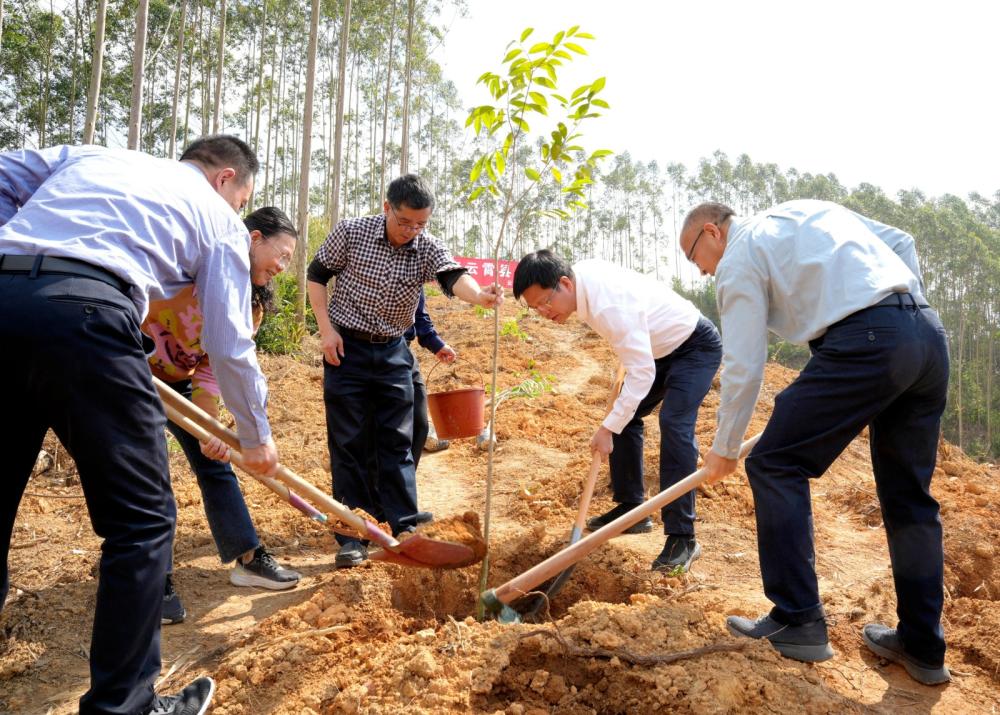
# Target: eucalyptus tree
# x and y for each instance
(97, 65)
(138, 69)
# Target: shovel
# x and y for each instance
(498, 600)
(532, 609)
(414, 550)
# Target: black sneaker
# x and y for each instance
(423, 517)
(352, 553)
(263, 571)
(807, 642)
(173, 609)
(884, 642)
(678, 552)
(433, 444)
(642, 527)
(193, 700)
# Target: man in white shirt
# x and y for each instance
(670, 353)
(814, 272)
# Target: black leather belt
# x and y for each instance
(899, 300)
(366, 337)
(33, 265)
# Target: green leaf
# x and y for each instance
(500, 162)
(564, 54)
(585, 35)
(557, 175)
(545, 82)
(531, 173)
(539, 108)
(545, 152)
(511, 55)
(552, 74)
(493, 190)
(572, 31)
(559, 98)
(527, 31)
(539, 47)
(477, 169)
(598, 84)
(539, 98)
(558, 38)
(579, 90)
(520, 124)
(576, 48)
(600, 103)
(491, 171)
(475, 193)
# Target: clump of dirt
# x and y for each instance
(462, 530)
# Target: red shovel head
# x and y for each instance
(446, 544)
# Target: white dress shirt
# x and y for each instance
(797, 269)
(160, 226)
(641, 317)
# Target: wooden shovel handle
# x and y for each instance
(527, 581)
(588, 492)
(202, 426)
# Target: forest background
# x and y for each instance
(374, 103)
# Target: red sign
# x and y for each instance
(483, 270)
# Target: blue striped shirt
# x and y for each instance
(158, 225)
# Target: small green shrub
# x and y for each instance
(280, 332)
(431, 290)
(483, 312)
(511, 327)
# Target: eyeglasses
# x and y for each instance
(719, 225)
(284, 258)
(543, 307)
(407, 226)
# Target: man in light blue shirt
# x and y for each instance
(815, 272)
(88, 236)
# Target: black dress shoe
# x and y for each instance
(884, 642)
(352, 553)
(423, 517)
(678, 552)
(643, 526)
(807, 642)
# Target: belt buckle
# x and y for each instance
(378, 339)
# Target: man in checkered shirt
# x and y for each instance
(380, 262)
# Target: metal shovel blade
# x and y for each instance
(419, 550)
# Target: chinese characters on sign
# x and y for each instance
(482, 269)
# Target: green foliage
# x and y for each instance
(526, 92)
(431, 290)
(511, 327)
(482, 312)
(281, 333)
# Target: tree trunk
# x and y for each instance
(338, 140)
(385, 101)
(260, 78)
(1, 23)
(72, 94)
(303, 218)
(95, 74)
(219, 70)
(404, 152)
(205, 65)
(270, 121)
(138, 68)
(177, 81)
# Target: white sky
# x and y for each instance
(899, 94)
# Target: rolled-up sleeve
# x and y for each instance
(741, 292)
(628, 332)
(227, 335)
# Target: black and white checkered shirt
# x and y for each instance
(378, 285)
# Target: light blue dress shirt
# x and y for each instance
(797, 269)
(157, 224)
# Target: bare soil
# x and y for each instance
(619, 638)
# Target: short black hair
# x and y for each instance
(542, 268)
(270, 221)
(411, 190)
(224, 150)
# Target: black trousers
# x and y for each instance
(369, 400)
(682, 380)
(74, 361)
(885, 368)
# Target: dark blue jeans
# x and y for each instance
(73, 360)
(226, 510)
(369, 400)
(682, 380)
(885, 368)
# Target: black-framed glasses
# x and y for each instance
(407, 226)
(690, 255)
(543, 307)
